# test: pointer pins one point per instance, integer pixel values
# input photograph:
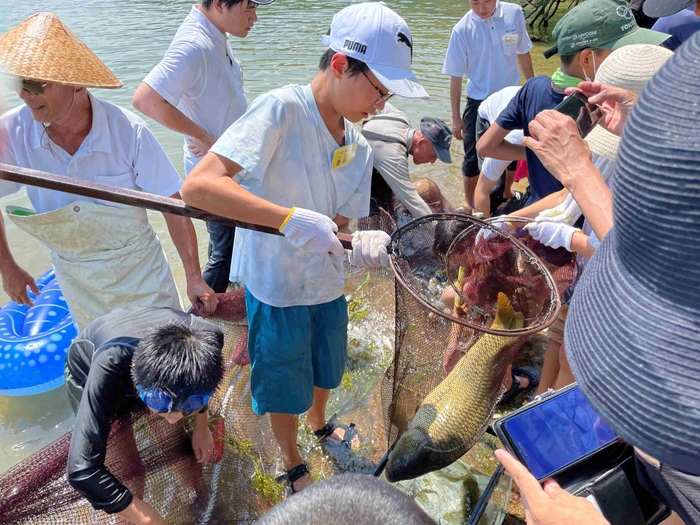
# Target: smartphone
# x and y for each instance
(554, 434)
(585, 114)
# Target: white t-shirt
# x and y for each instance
(390, 135)
(119, 150)
(202, 77)
(286, 150)
(490, 109)
(485, 50)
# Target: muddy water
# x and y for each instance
(283, 48)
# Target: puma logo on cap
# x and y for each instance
(351, 45)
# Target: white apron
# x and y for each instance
(104, 257)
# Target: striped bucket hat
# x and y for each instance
(633, 331)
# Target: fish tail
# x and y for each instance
(506, 317)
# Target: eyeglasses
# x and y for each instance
(383, 97)
(163, 403)
(35, 88)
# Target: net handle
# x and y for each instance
(393, 256)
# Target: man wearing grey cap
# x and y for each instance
(392, 139)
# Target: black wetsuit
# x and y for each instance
(99, 361)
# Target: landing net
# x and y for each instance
(448, 261)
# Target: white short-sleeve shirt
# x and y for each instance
(485, 50)
(490, 109)
(286, 150)
(202, 77)
(120, 150)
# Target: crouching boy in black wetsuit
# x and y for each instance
(169, 359)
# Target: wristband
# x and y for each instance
(289, 216)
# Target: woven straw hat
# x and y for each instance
(633, 331)
(629, 68)
(42, 48)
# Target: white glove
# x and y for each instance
(552, 234)
(312, 232)
(567, 212)
(369, 249)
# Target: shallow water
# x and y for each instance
(131, 36)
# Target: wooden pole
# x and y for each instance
(140, 199)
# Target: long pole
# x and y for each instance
(140, 199)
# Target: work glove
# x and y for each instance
(567, 212)
(369, 249)
(312, 232)
(593, 240)
(552, 234)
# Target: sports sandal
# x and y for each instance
(328, 429)
(291, 476)
(533, 375)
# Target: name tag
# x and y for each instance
(343, 156)
(510, 40)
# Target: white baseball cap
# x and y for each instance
(374, 34)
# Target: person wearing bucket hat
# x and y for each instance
(584, 38)
(392, 139)
(632, 333)
(295, 162)
(680, 19)
(197, 90)
(104, 255)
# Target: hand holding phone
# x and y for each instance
(555, 434)
(585, 114)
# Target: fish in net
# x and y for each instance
(451, 351)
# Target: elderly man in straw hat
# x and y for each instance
(633, 333)
(104, 255)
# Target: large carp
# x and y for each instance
(456, 413)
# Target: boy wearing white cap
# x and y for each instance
(295, 162)
(197, 90)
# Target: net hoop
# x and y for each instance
(395, 260)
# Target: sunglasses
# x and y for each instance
(35, 88)
(163, 403)
(383, 97)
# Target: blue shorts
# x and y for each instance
(292, 350)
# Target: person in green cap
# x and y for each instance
(584, 38)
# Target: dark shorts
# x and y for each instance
(292, 350)
(680, 491)
(470, 164)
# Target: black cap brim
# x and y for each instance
(549, 53)
(661, 8)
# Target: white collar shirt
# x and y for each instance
(120, 150)
(202, 77)
(485, 50)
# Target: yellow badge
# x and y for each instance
(343, 156)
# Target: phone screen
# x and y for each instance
(557, 432)
(585, 114)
